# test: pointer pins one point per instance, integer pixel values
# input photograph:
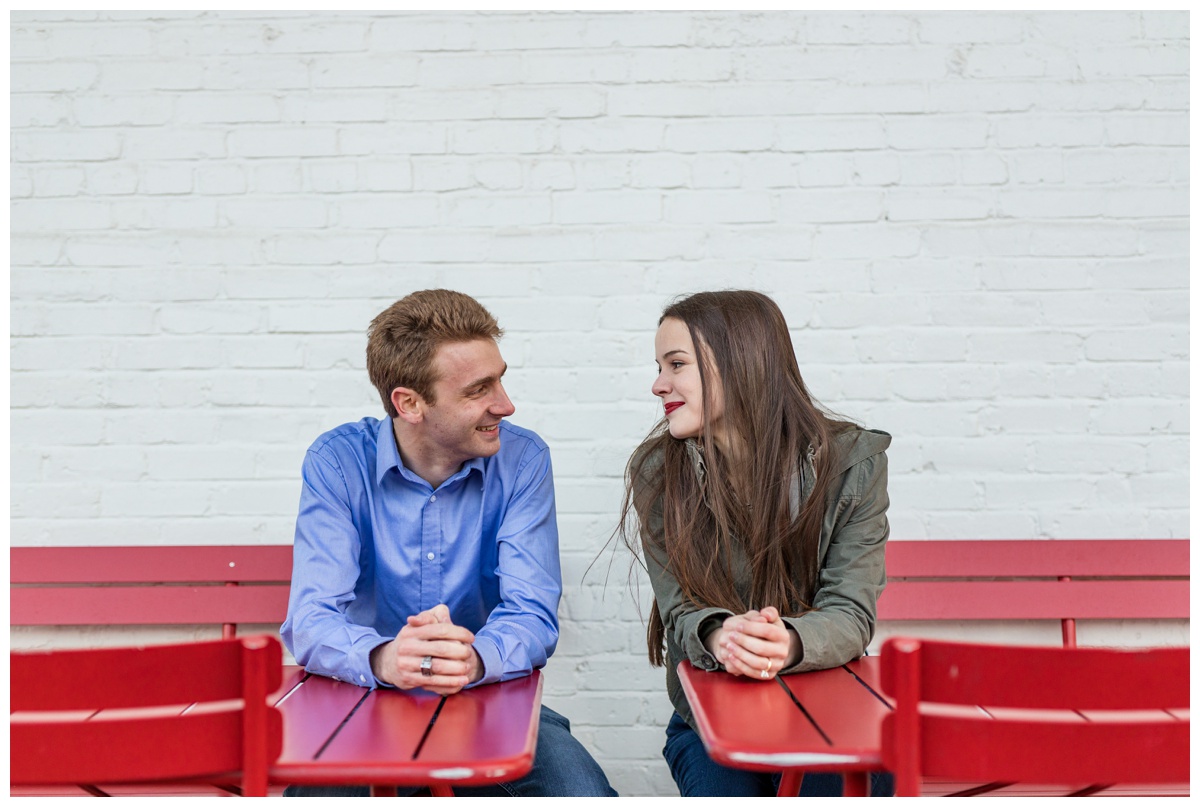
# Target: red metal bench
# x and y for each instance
(224, 586)
(1050, 580)
(1063, 581)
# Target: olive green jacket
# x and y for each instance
(850, 580)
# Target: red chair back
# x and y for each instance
(147, 713)
(1035, 714)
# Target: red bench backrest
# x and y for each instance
(149, 585)
(1059, 580)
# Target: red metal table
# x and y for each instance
(337, 733)
(827, 720)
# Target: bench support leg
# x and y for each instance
(857, 783)
(789, 784)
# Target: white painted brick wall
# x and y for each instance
(976, 223)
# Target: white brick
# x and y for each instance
(717, 172)
(251, 72)
(638, 29)
(358, 71)
(737, 207)
(574, 68)
(755, 28)
(206, 108)
(418, 32)
(1165, 24)
(1041, 130)
(176, 144)
(929, 168)
(437, 70)
(550, 102)
(51, 77)
(841, 28)
(1051, 203)
(324, 249)
(755, 241)
(501, 138)
(1027, 60)
(35, 146)
(1157, 129)
(822, 133)
(33, 215)
(151, 74)
(608, 207)
(830, 206)
(292, 142)
(1150, 59)
(679, 65)
(496, 210)
(336, 108)
(615, 136)
(956, 28)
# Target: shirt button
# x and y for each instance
(362, 678)
(433, 498)
(429, 556)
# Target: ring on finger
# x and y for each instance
(427, 666)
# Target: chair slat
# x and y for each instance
(1045, 751)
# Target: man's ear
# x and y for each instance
(410, 406)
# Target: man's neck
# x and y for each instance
(419, 459)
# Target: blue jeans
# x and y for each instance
(561, 767)
(696, 774)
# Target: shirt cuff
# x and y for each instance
(489, 657)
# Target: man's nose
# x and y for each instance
(503, 405)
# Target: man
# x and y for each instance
(426, 550)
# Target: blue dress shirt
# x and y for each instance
(375, 543)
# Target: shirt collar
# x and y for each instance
(387, 456)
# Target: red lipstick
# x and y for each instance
(671, 406)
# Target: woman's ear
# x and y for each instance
(410, 406)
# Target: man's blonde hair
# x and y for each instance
(403, 339)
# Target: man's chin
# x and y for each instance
(488, 443)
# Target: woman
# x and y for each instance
(761, 520)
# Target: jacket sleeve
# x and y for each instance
(687, 623)
(842, 621)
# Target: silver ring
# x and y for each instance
(427, 666)
(765, 674)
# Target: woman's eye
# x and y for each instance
(676, 364)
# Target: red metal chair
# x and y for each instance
(146, 714)
(989, 713)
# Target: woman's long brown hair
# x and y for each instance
(743, 337)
